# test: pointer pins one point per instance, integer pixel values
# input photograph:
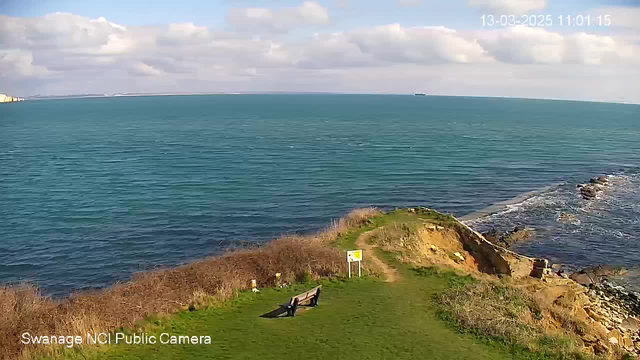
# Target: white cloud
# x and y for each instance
(506, 7)
(57, 53)
(409, 3)
(620, 16)
(388, 45)
(529, 45)
(58, 30)
(19, 63)
(143, 69)
(263, 19)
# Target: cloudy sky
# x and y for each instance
(351, 46)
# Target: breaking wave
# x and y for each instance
(573, 231)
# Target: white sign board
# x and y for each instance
(354, 255)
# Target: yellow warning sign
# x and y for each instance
(354, 255)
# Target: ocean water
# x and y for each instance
(92, 190)
(601, 231)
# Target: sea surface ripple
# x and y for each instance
(92, 190)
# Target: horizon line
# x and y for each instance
(150, 94)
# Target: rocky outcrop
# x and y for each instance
(509, 238)
(618, 311)
(492, 258)
(596, 185)
(595, 274)
(611, 309)
(601, 180)
(444, 240)
(567, 218)
(611, 314)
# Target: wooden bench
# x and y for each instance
(312, 296)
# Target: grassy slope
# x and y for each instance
(360, 318)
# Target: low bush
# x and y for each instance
(205, 282)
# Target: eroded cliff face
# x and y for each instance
(456, 245)
(611, 321)
(493, 259)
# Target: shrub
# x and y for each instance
(200, 283)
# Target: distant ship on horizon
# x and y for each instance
(420, 94)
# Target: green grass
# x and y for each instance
(357, 319)
(348, 240)
(360, 318)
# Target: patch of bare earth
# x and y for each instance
(390, 274)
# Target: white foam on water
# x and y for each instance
(603, 230)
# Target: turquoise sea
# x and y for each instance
(92, 190)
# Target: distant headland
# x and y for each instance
(8, 99)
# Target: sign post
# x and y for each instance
(354, 256)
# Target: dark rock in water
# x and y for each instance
(602, 180)
(567, 218)
(518, 234)
(604, 271)
(582, 279)
(510, 237)
(596, 274)
(492, 235)
(589, 191)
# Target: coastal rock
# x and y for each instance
(603, 270)
(492, 235)
(615, 334)
(516, 235)
(507, 239)
(582, 279)
(602, 180)
(540, 268)
(589, 192)
(600, 349)
(588, 338)
(631, 324)
(594, 315)
(595, 274)
(493, 258)
(596, 184)
(567, 218)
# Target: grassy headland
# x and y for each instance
(212, 280)
(445, 302)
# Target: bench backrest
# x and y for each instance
(305, 295)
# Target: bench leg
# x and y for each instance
(292, 310)
(316, 299)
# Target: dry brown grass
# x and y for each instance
(24, 309)
(512, 314)
(339, 227)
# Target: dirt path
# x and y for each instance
(390, 274)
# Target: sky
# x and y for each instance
(580, 50)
